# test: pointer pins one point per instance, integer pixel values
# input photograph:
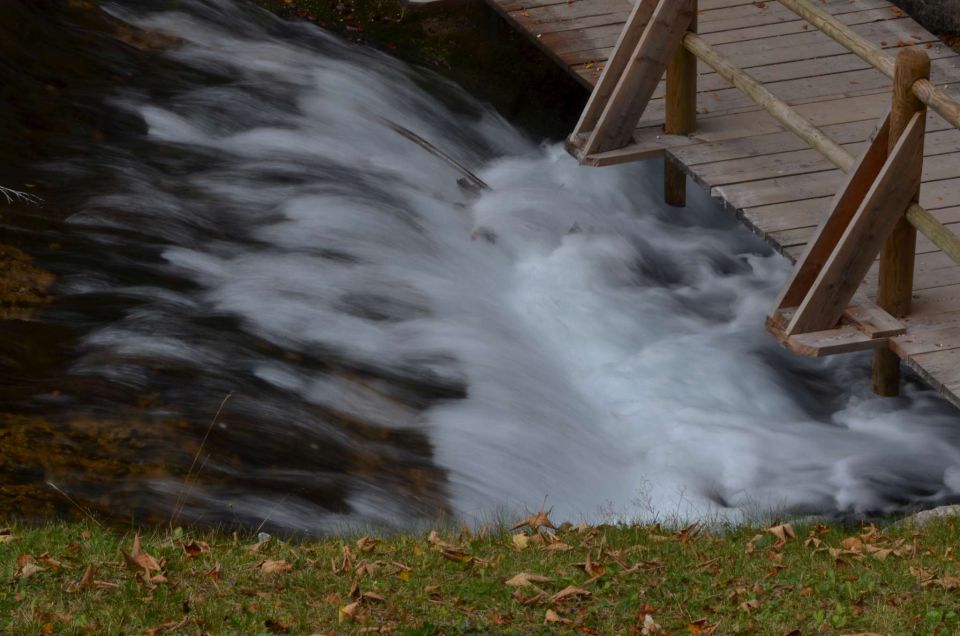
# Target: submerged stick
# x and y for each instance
(429, 147)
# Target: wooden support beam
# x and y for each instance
(680, 113)
(895, 288)
(842, 210)
(660, 39)
(614, 68)
(863, 238)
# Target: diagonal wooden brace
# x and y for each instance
(651, 36)
(858, 247)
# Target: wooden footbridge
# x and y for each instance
(829, 126)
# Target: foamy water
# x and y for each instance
(611, 349)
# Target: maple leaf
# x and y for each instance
(537, 521)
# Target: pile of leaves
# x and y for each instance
(533, 578)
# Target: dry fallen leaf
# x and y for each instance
(650, 626)
(27, 567)
(86, 581)
(783, 532)
(272, 567)
(520, 541)
(138, 558)
(349, 612)
(570, 591)
(524, 578)
(553, 617)
(537, 521)
(367, 545)
(195, 548)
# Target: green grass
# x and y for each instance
(623, 579)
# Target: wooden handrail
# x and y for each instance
(920, 218)
(925, 90)
(756, 91)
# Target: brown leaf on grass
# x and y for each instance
(524, 578)
(272, 567)
(27, 567)
(458, 555)
(752, 543)
(590, 568)
(138, 558)
(569, 592)
(650, 626)
(553, 617)
(537, 521)
(6, 535)
(49, 563)
(699, 627)
(558, 546)
(367, 545)
(169, 626)
(346, 564)
(276, 626)
(749, 606)
(372, 597)
(86, 581)
(523, 599)
(214, 572)
(439, 544)
(690, 533)
(853, 544)
(783, 533)
(349, 612)
(255, 547)
(193, 549)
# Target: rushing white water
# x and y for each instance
(612, 350)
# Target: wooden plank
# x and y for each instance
(873, 320)
(846, 339)
(861, 241)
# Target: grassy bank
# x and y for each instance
(77, 579)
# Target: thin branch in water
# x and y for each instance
(15, 196)
(181, 497)
(78, 506)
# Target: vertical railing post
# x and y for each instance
(897, 256)
(681, 113)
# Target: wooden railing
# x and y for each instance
(875, 213)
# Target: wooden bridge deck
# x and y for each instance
(778, 185)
